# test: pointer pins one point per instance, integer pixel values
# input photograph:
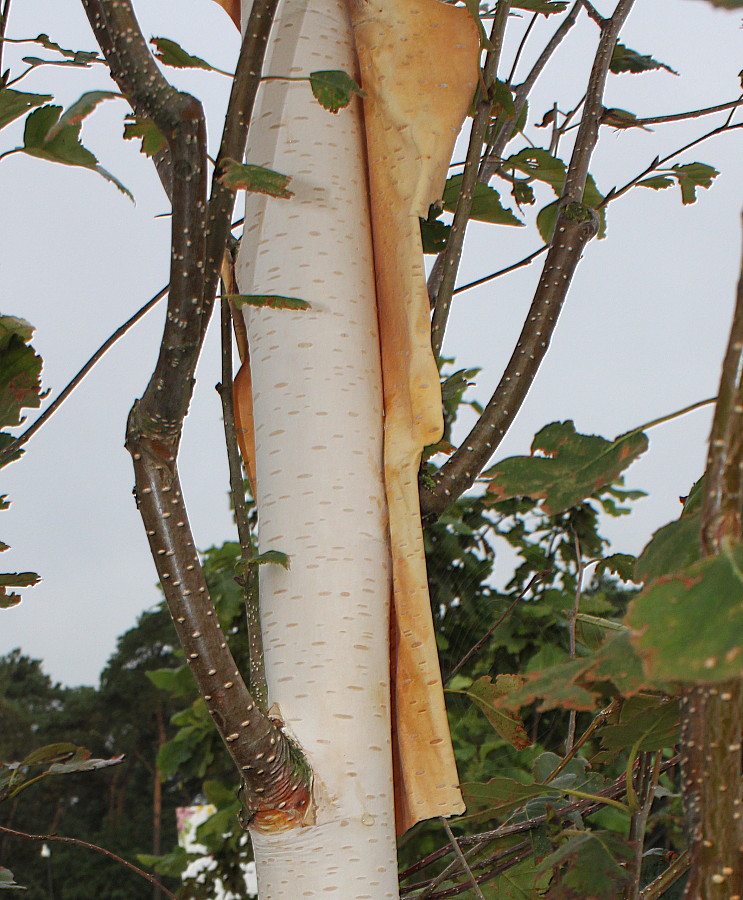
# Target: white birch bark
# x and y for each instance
(317, 403)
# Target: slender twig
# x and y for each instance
(520, 48)
(657, 163)
(593, 13)
(248, 580)
(460, 856)
(660, 885)
(512, 268)
(18, 442)
(597, 722)
(576, 225)
(511, 606)
(648, 771)
(449, 260)
(48, 838)
(692, 114)
(4, 16)
(572, 626)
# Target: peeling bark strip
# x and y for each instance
(419, 69)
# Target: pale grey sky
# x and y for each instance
(642, 333)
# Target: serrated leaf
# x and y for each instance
(500, 795)
(689, 626)
(621, 564)
(656, 182)
(589, 864)
(333, 88)
(645, 722)
(508, 724)
(79, 56)
(271, 557)
(172, 54)
(519, 882)
(671, 549)
(539, 164)
(625, 60)
(20, 374)
(83, 763)
(256, 179)
(64, 146)
(434, 234)
(486, 205)
(271, 301)
(14, 104)
(571, 467)
(546, 7)
(142, 127)
(48, 753)
(691, 176)
(81, 108)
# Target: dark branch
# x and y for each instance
(576, 225)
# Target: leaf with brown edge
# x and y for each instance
(172, 54)
(333, 88)
(565, 467)
(14, 104)
(239, 176)
(153, 140)
(688, 627)
(508, 724)
(271, 301)
(15, 580)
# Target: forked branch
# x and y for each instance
(576, 224)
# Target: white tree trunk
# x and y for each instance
(317, 402)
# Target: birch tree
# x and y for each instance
(339, 735)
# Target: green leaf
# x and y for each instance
(172, 54)
(63, 146)
(257, 179)
(20, 371)
(153, 140)
(645, 722)
(570, 468)
(83, 762)
(546, 7)
(589, 864)
(671, 549)
(271, 557)
(689, 626)
(656, 182)
(486, 205)
(81, 108)
(333, 88)
(15, 579)
(508, 724)
(621, 564)
(500, 795)
(178, 682)
(691, 176)
(520, 882)
(80, 57)
(49, 753)
(14, 104)
(434, 232)
(272, 301)
(7, 881)
(539, 164)
(625, 60)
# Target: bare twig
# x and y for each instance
(572, 625)
(4, 16)
(660, 885)
(504, 615)
(449, 260)
(576, 225)
(462, 861)
(48, 838)
(512, 268)
(692, 114)
(13, 447)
